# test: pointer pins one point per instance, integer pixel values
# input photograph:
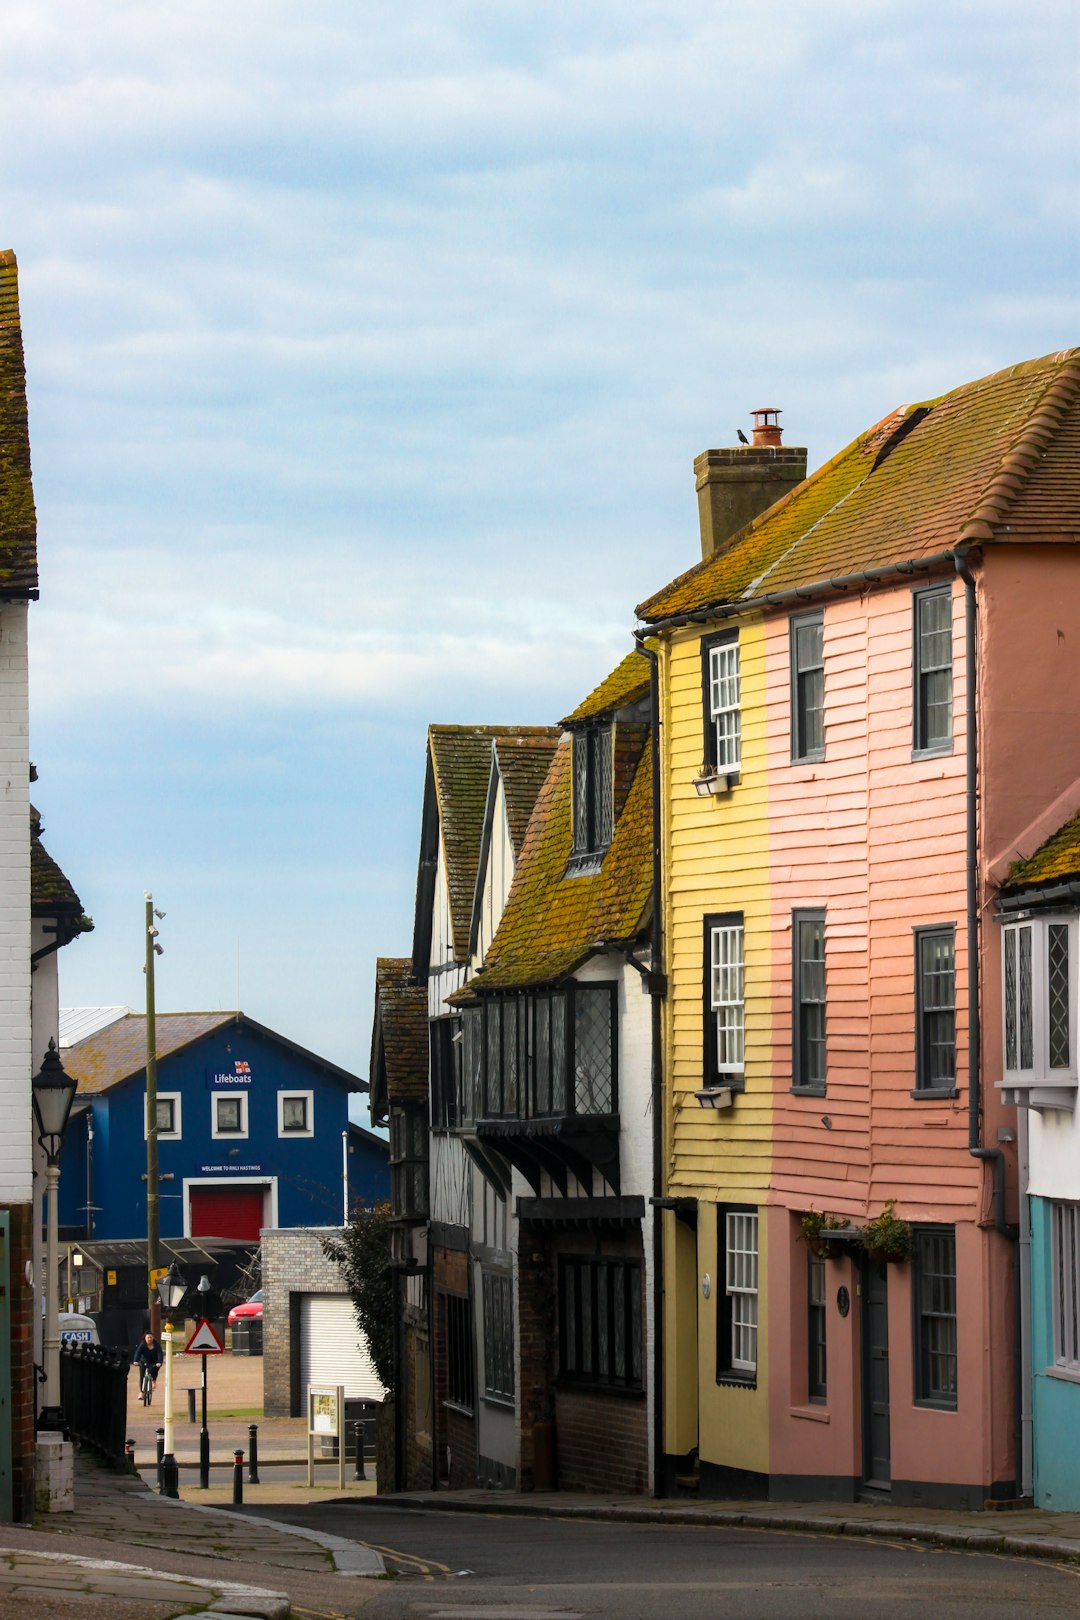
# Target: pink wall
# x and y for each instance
(892, 859)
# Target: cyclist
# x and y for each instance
(148, 1358)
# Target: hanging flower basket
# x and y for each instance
(885, 1237)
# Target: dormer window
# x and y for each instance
(593, 807)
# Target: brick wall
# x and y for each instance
(417, 1447)
(292, 1263)
(537, 1348)
(460, 1435)
(603, 1442)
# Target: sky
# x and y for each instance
(368, 352)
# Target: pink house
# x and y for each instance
(918, 600)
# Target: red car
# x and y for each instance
(251, 1307)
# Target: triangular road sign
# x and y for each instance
(204, 1341)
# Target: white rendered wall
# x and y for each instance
(497, 876)
(1054, 1149)
(44, 1021)
(16, 1052)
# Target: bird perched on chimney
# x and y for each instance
(742, 436)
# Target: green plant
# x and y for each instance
(886, 1237)
(362, 1254)
(815, 1230)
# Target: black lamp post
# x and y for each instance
(171, 1289)
(53, 1093)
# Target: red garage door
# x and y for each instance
(227, 1212)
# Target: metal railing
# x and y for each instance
(93, 1394)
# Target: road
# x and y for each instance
(461, 1566)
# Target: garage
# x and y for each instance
(227, 1212)
(332, 1348)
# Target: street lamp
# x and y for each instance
(53, 1093)
(171, 1289)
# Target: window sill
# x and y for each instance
(456, 1406)
(586, 865)
(928, 1405)
(811, 1414)
(933, 1093)
(503, 1403)
(809, 759)
(732, 1380)
(1067, 1375)
(808, 1091)
(938, 751)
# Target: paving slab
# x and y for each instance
(55, 1584)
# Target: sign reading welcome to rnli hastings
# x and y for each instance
(229, 1078)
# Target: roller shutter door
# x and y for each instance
(227, 1212)
(332, 1348)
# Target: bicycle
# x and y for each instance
(146, 1386)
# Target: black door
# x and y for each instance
(877, 1473)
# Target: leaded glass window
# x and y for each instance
(1038, 976)
(593, 1049)
(593, 792)
(600, 1322)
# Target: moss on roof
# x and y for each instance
(551, 921)
(18, 520)
(994, 460)
(119, 1051)
(523, 763)
(399, 1036)
(461, 764)
(628, 683)
(51, 894)
(1057, 861)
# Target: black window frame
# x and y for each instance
(927, 1353)
(444, 1050)
(588, 1341)
(460, 1358)
(803, 750)
(923, 746)
(726, 1371)
(801, 1005)
(159, 1104)
(304, 1127)
(592, 792)
(497, 1293)
(545, 1083)
(712, 1075)
(229, 1130)
(925, 1086)
(710, 751)
(409, 1159)
(817, 1353)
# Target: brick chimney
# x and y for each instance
(735, 486)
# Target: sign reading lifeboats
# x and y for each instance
(229, 1076)
(204, 1341)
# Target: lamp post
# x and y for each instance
(53, 1093)
(171, 1289)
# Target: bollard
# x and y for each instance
(129, 1457)
(238, 1479)
(191, 1404)
(358, 1430)
(253, 1453)
(160, 1455)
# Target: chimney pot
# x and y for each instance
(767, 429)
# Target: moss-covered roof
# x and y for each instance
(998, 459)
(18, 520)
(1057, 861)
(51, 894)
(628, 683)
(551, 921)
(399, 1037)
(119, 1051)
(461, 764)
(523, 763)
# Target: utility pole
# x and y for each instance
(153, 1219)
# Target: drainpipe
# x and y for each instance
(1027, 1469)
(989, 1155)
(656, 988)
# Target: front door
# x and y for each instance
(877, 1472)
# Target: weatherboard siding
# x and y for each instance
(717, 850)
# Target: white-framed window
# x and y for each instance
(1065, 1260)
(228, 1113)
(737, 1335)
(724, 1030)
(724, 747)
(1039, 1008)
(169, 1116)
(296, 1113)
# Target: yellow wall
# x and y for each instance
(715, 860)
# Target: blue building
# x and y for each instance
(253, 1131)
